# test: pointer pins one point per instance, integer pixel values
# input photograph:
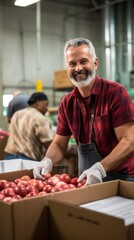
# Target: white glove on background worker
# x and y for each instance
(44, 167)
(94, 174)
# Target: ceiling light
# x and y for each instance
(24, 3)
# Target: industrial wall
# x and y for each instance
(20, 66)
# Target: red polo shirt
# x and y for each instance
(113, 108)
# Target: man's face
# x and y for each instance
(81, 66)
(42, 106)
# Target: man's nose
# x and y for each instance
(78, 67)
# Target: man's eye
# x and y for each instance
(71, 64)
(84, 62)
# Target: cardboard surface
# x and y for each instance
(26, 219)
(30, 218)
(69, 221)
(10, 176)
(6, 223)
(77, 224)
(58, 216)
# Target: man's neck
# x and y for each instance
(86, 91)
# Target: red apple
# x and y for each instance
(65, 187)
(81, 184)
(46, 176)
(7, 199)
(5, 184)
(31, 188)
(21, 190)
(25, 177)
(47, 188)
(32, 181)
(2, 184)
(65, 178)
(12, 184)
(17, 180)
(15, 198)
(61, 184)
(71, 186)
(57, 175)
(33, 193)
(42, 193)
(8, 192)
(74, 181)
(23, 183)
(53, 180)
(41, 184)
(57, 189)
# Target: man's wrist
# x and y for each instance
(101, 168)
(46, 158)
(47, 162)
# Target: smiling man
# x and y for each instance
(99, 114)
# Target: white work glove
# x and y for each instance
(44, 167)
(94, 174)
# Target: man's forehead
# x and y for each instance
(77, 52)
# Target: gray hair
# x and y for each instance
(76, 42)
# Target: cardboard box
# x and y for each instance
(61, 80)
(16, 164)
(69, 221)
(25, 219)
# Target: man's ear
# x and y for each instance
(36, 104)
(96, 63)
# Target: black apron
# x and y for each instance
(88, 154)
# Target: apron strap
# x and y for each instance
(92, 119)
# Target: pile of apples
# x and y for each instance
(26, 187)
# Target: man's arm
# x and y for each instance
(125, 136)
(57, 148)
(54, 154)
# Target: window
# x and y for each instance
(6, 99)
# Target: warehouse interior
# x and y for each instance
(32, 41)
(82, 185)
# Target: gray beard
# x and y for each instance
(83, 83)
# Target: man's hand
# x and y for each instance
(44, 167)
(94, 174)
(3, 134)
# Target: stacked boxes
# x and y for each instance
(61, 80)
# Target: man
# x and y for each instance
(18, 102)
(29, 130)
(100, 115)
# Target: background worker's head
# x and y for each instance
(39, 100)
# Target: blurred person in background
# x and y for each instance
(18, 102)
(29, 129)
(99, 113)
